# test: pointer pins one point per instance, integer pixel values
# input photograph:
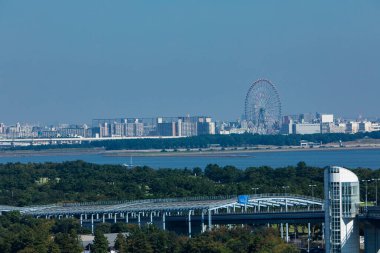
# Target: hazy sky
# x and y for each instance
(74, 60)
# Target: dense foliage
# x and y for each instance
(24, 234)
(223, 240)
(203, 141)
(27, 184)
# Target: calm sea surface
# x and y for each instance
(369, 158)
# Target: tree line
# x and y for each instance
(78, 181)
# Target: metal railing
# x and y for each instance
(187, 199)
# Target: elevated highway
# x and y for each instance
(198, 212)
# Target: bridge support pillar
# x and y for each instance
(81, 220)
(287, 232)
(323, 234)
(92, 223)
(151, 218)
(163, 221)
(282, 230)
(189, 224)
(126, 218)
(209, 220)
(203, 221)
(308, 237)
(115, 218)
(139, 220)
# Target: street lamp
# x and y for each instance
(366, 192)
(255, 189)
(312, 193)
(376, 179)
(312, 189)
(285, 187)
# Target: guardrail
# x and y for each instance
(186, 199)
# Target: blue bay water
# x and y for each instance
(369, 158)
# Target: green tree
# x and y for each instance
(120, 243)
(137, 242)
(100, 243)
(68, 242)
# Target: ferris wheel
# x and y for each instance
(263, 108)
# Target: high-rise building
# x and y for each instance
(138, 129)
(341, 208)
(365, 126)
(118, 129)
(352, 127)
(2, 128)
(167, 129)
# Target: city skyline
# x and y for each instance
(115, 59)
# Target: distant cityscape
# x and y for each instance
(184, 126)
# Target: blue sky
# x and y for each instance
(71, 61)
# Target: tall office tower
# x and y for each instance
(104, 130)
(352, 127)
(341, 209)
(138, 129)
(129, 129)
(118, 129)
(166, 129)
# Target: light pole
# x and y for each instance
(312, 193)
(366, 192)
(376, 179)
(312, 189)
(285, 187)
(255, 189)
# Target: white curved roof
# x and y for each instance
(345, 175)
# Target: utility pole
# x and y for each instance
(312, 192)
(255, 189)
(366, 192)
(376, 180)
(312, 189)
(285, 187)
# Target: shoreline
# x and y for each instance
(235, 152)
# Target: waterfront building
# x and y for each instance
(2, 128)
(375, 127)
(337, 128)
(341, 188)
(118, 129)
(352, 127)
(306, 128)
(333, 128)
(129, 129)
(365, 126)
(327, 118)
(49, 134)
(167, 129)
(73, 131)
